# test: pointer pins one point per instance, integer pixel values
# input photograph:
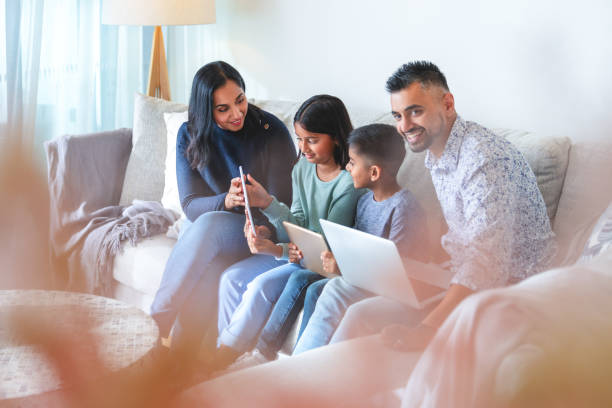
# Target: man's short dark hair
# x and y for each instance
(424, 72)
(381, 144)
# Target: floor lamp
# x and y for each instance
(157, 13)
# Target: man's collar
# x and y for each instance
(450, 155)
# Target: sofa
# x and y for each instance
(573, 176)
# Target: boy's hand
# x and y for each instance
(329, 263)
(235, 195)
(295, 255)
(258, 196)
(403, 338)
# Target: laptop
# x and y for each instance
(311, 244)
(374, 263)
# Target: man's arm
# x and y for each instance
(404, 338)
(455, 294)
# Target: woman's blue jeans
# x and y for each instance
(189, 287)
(302, 288)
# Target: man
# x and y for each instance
(498, 229)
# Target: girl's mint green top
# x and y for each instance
(334, 200)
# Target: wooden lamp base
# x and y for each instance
(159, 85)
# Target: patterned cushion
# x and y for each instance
(144, 176)
(601, 237)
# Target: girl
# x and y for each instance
(321, 189)
(223, 131)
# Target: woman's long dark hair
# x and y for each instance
(327, 114)
(200, 122)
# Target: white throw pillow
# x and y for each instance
(144, 175)
(170, 198)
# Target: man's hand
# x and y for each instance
(403, 338)
(295, 255)
(258, 196)
(234, 196)
(329, 263)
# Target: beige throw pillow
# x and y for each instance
(144, 176)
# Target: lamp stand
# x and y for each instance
(159, 85)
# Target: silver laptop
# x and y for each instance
(311, 244)
(374, 263)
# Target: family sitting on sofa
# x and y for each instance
(229, 287)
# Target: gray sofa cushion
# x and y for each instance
(548, 157)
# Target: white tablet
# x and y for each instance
(311, 244)
(246, 201)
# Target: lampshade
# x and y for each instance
(158, 12)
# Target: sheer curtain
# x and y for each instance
(62, 71)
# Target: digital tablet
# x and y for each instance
(246, 201)
(311, 244)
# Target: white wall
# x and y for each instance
(539, 65)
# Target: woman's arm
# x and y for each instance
(195, 194)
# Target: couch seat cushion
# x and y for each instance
(141, 267)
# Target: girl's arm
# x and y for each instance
(276, 211)
(342, 210)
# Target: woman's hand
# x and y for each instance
(295, 255)
(234, 196)
(258, 196)
(329, 263)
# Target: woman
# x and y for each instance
(223, 132)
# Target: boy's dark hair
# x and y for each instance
(327, 114)
(424, 72)
(381, 144)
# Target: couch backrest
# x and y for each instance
(587, 192)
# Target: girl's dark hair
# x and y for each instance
(200, 122)
(327, 114)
